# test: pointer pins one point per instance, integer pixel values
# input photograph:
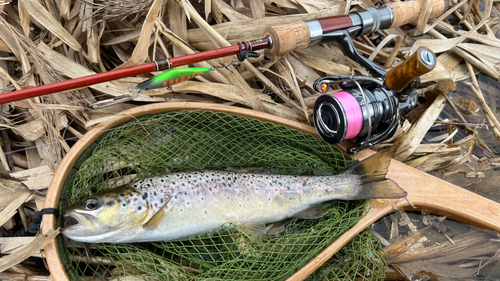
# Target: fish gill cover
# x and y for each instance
(194, 140)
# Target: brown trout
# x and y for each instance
(178, 205)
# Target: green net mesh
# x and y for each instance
(193, 140)
(361, 259)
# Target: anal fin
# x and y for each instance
(253, 228)
(312, 213)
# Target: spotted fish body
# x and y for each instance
(172, 77)
(184, 204)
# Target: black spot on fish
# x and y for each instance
(148, 185)
(154, 193)
(121, 194)
(123, 205)
(110, 203)
(162, 180)
(161, 201)
(139, 208)
(144, 196)
(150, 180)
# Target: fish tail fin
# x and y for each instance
(374, 184)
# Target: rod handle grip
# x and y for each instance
(289, 37)
(421, 62)
(409, 11)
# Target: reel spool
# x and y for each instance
(369, 114)
(368, 110)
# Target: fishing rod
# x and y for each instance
(278, 40)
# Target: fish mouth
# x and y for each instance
(76, 222)
(71, 220)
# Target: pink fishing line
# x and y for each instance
(353, 114)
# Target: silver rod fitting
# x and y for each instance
(372, 19)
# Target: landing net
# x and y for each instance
(180, 141)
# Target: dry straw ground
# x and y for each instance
(52, 40)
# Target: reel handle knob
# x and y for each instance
(421, 62)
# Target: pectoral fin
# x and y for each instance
(155, 220)
(312, 213)
(158, 217)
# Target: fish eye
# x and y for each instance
(91, 204)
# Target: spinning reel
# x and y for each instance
(368, 110)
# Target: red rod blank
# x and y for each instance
(335, 23)
(126, 72)
(260, 44)
(76, 83)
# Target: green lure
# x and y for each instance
(171, 77)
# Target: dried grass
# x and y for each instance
(47, 41)
(422, 245)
